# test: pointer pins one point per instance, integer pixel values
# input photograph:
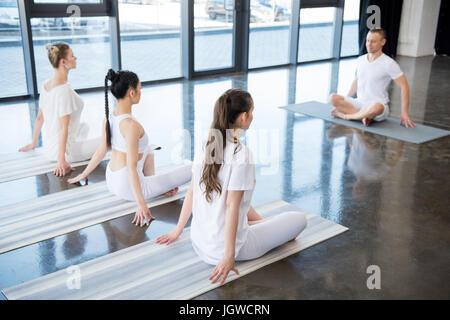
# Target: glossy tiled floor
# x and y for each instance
(392, 195)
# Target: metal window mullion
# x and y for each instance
(188, 117)
(337, 30)
(56, 10)
(336, 48)
(27, 45)
(241, 35)
(187, 38)
(114, 33)
(294, 32)
(319, 3)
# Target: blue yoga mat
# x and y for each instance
(390, 127)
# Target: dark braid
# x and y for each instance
(107, 128)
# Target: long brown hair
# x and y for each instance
(226, 110)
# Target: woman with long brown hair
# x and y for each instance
(225, 228)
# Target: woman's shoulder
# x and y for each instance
(130, 124)
(241, 154)
(62, 91)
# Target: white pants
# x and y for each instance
(119, 184)
(358, 104)
(79, 150)
(265, 236)
(82, 150)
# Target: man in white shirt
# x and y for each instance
(374, 73)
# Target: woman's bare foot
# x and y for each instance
(171, 192)
(252, 222)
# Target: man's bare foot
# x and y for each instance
(339, 114)
(333, 112)
(366, 121)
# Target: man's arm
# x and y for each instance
(353, 88)
(402, 83)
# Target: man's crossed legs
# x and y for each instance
(353, 109)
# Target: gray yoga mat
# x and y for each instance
(152, 271)
(390, 128)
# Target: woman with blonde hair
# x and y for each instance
(63, 136)
(225, 228)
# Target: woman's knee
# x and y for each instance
(296, 221)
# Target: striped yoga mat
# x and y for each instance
(49, 216)
(19, 165)
(152, 271)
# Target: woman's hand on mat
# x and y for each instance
(222, 270)
(405, 120)
(169, 238)
(78, 178)
(28, 147)
(143, 216)
(61, 167)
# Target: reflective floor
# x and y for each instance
(392, 195)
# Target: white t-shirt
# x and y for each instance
(56, 103)
(374, 78)
(208, 218)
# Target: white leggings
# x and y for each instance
(267, 235)
(152, 186)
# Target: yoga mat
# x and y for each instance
(152, 271)
(19, 165)
(49, 216)
(390, 127)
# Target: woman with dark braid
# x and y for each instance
(63, 136)
(130, 173)
(225, 228)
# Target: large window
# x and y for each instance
(11, 52)
(213, 40)
(89, 39)
(146, 36)
(313, 82)
(269, 32)
(150, 38)
(316, 34)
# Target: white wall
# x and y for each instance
(418, 27)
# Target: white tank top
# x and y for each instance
(117, 140)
